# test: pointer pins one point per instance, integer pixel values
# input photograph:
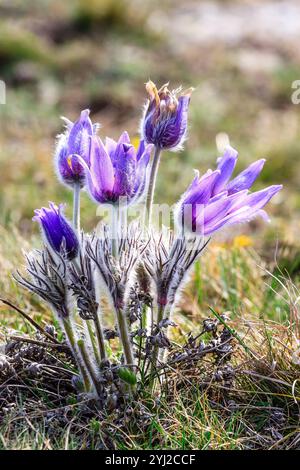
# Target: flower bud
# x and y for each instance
(74, 144)
(57, 231)
(165, 119)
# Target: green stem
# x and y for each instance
(76, 207)
(72, 341)
(198, 282)
(124, 336)
(160, 316)
(89, 365)
(168, 313)
(114, 232)
(97, 323)
(151, 186)
(100, 337)
(93, 343)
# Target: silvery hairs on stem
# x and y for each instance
(168, 260)
(116, 271)
(47, 278)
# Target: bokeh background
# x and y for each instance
(58, 58)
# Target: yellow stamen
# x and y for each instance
(69, 160)
(188, 92)
(152, 91)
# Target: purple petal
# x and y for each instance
(124, 138)
(226, 167)
(200, 191)
(250, 207)
(125, 170)
(256, 201)
(100, 176)
(78, 141)
(230, 219)
(218, 196)
(172, 130)
(110, 145)
(246, 178)
(180, 124)
(140, 150)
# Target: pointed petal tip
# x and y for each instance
(52, 205)
(275, 188)
(263, 214)
(37, 215)
(233, 152)
(260, 163)
(124, 138)
(84, 113)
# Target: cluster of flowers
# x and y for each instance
(139, 271)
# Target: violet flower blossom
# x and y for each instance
(116, 170)
(165, 120)
(72, 144)
(57, 231)
(213, 202)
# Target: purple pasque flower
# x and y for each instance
(165, 119)
(57, 231)
(213, 202)
(74, 143)
(116, 169)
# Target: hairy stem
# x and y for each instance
(89, 365)
(155, 354)
(93, 342)
(100, 336)
(114, 232)
(151, 186)
(72, 342)
(124, 336)
(76, 207)
(97, 322)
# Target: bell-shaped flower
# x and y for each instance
(116, 170)
(165, 120)
(213, 201)
(57, 231)
(74, 144)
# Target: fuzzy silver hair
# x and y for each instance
(48, 278)
(116, 271)
(168, 261)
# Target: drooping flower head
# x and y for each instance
(165, 120)
(57, 231)
(74, 143)
(213, 201)
(116, 169)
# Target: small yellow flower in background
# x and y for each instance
(242, 241)
(135, 141)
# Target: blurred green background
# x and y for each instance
(57, 58)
